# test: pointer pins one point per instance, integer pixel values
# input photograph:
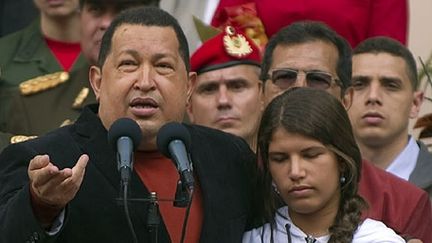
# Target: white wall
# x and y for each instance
(420, 42)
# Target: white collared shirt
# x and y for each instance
(405, 162)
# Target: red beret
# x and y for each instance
(228, 48)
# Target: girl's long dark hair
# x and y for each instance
(318, 115)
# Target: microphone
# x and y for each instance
(173, 141)
(125, 136)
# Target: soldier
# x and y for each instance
(227, 94)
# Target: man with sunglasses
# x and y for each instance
(227, 93)
(317, 59)
(385, 81)
(309, 54)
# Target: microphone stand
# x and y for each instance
(185, 221)
(183, 198)
(153, 218)
(126, 210)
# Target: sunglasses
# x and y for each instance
(286, 78)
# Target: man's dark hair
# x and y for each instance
(381, 44)
(309, 31)
(146, 16)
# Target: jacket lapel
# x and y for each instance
(421, 176)
(92, 136)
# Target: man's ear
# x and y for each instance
(190, 89)
(95, 76)
(347, 98)
(418, 97)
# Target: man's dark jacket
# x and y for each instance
(223, 163)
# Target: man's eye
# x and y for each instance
(95, 10)
(208, 89)
(164, 65)
(284, 80)
(164, 68)
(127, 63)
(237, 86)
(392, 85)
(357, 84)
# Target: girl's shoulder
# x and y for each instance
(375, 231)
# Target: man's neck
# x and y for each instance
(66, 29)
(383, 155)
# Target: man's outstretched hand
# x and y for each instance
(52, 189)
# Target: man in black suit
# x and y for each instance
(62, 187)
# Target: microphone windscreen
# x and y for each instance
(124, 127)
(169, 132)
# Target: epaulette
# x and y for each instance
(67, 122)
(42, 83)
(79, 100)
(20, 138)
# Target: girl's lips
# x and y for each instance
(300, 191)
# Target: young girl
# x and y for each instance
(311, 167)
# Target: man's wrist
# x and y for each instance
(45, 213)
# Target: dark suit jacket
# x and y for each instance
(222, 163)
(422, 173)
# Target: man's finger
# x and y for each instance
(56, 180)
(38, 162)
(79, 168)
(77, 171)
(41, 170)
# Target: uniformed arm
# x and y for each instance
(22, 213)
(4, 140)
(389, 18)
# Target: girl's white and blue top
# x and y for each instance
(369, 231)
